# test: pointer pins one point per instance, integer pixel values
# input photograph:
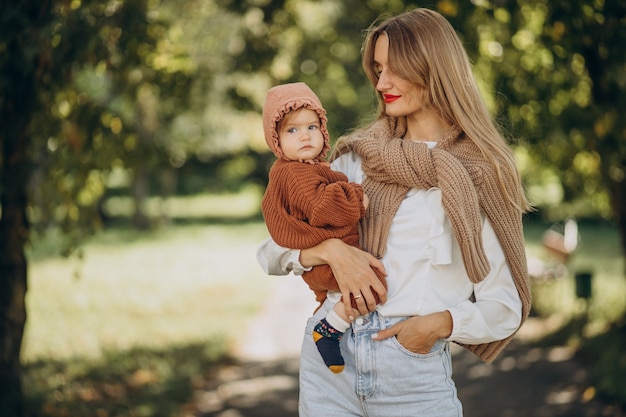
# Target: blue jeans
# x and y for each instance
(381, 378)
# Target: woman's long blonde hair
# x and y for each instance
(425, 49)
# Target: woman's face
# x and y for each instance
(401, 97)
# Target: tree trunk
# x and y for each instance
(140, 191)
(146, 123)
(13, 236)
(169, 179)
(618, 203)
(12, 311)
(18, 99)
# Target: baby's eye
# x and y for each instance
(291, 130)
(313, 127)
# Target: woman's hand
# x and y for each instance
(418, 334)
(352, 268)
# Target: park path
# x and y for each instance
(526, 381)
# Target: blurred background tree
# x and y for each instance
(158, 97)
(85, 86)
(559, 67)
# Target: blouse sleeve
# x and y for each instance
(276, 260)
(497, 310)
(350, 165)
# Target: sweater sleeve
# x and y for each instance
(496, 313)
(506, 225)
(338, 204)
(327, 198)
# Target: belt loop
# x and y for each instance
(381, 320)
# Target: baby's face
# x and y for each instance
(300, 135)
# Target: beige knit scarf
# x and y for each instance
(469, 185)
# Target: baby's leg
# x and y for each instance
(340, 310)
(327, 334)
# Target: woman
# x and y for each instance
(443, 223)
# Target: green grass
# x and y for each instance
(131, 327)
(177, 285)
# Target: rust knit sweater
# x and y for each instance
(305, 204)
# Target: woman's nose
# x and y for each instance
(383, 82)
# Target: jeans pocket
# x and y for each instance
(434, 351)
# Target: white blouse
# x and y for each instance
(425, 272)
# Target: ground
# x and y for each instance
(525, 381)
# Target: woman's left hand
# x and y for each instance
(418, 334)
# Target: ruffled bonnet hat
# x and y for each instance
(284, 98)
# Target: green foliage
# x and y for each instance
(557, 64)
(315, 42)
(114, 64)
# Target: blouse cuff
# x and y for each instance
(290, 262)
(461, 318)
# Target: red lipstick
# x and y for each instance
(389, 98)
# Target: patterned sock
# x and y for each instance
(327, 339)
